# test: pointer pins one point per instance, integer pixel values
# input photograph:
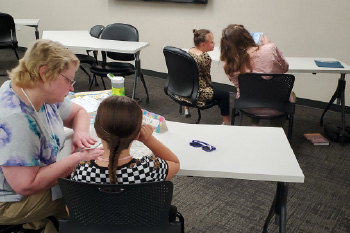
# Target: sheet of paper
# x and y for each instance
(88, 103)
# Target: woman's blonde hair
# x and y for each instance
(118, 122)
(234, 43)
(41, 53)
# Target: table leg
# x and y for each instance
(339, 94)
(139, 75)
(36, 30)
(36, 33)
(278, 208)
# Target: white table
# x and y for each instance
(30, 23)
(308, 65)
(242, 152)
(82, 39)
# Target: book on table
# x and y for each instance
(316, 139)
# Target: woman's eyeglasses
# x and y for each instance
(71, 82)
(205, 146)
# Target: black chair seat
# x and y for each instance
(84, 58)
(111, 67)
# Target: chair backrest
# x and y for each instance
(183, 74)
(122, 32)
(126, 208)
(96, 31)
(265, 91)
(7, 28)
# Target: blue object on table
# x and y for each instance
(329, 64)
(205, 146)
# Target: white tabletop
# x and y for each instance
(82, 39)
(299, 64)
(27, 22)
(242, 152)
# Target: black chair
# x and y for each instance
(131, 208)
(183, 79)
(257, 92)
(121, 32)
(95, 31)
(10, 228)
(8, 37)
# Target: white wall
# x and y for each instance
(314, 28)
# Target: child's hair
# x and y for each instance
(234, 43)
(118, 122)
(199, 36)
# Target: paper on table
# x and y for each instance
(88, 103)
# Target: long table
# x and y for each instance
(82, 39)
(30, 23)
(242, 152)
(308, 65)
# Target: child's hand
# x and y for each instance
(145, 133)
(264, 40)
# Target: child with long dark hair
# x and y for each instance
(118, 123)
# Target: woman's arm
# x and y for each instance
(29, 180)
(79, 121)
(159, 150)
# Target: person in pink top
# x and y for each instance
(240, 54)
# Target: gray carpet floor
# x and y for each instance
(214, 205)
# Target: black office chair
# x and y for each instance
(257, 92)
(183, 79)
(10, 228)
(8, 37)
(121, 32)
(95, 31)
(131, 208)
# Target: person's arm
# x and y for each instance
(29, 180)
(79, 121)
(159, 150)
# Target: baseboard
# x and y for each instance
(300, 101)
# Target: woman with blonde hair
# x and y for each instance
(33, 111)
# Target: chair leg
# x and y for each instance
(290, 128)
(233, 116)
(90, 79)
(182, 221)
(144, 85)
(14, 49)
(199, 116)
(103, 82)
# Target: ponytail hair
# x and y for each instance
(234, 43)
(199, 36)
(118, 123)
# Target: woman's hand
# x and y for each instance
(145, 133)
(89, 154)
(82, 140)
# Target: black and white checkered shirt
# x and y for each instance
(146, 169)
